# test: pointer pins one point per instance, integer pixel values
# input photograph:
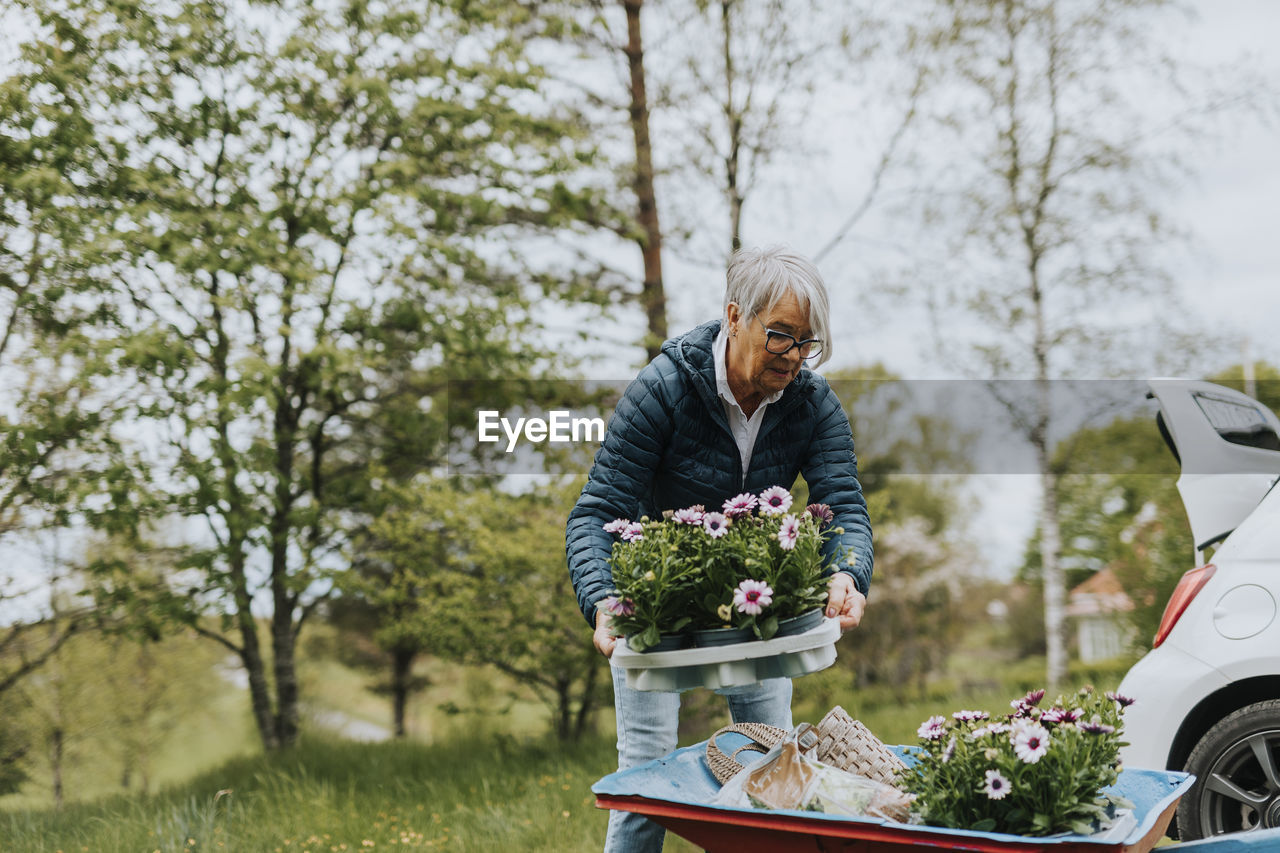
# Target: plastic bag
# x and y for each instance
(787, 778)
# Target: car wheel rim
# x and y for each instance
(1241, 791)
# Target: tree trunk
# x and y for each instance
(283, 636)
(401, 672)
(55, 764)
(734, 121)
(652, 295)
(1055, 623)
(254, 667)
(564, 707)
(283, 650)
(587, 704)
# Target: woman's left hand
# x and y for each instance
(844, 601)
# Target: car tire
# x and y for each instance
(1237, 769)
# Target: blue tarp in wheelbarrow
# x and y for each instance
(675, 792)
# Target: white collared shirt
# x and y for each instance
(745, 429)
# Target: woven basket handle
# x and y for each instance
(760, 738)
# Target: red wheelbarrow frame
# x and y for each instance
(675, 791)
(717, 830)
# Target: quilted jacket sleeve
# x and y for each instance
(831, 470)
(620, 479)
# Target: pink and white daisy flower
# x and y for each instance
(715, 524)
(1095, 726)
(751, 597)
(617, 525)
(997, 787)
(1123, 701)
(775, 500)
(1061, 716)
(1030, 742)
(789, 532)
(933, 728)
(740, 506)
(619, 606)
(633, 532)
(949, 751)
(970, 716)
(822, 513)
(688, 515)
(1027, 704)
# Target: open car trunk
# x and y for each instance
(1228, 447)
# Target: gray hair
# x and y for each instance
(757, 278)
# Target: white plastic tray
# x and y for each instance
(730, 666)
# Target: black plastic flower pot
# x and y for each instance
(799, 624)
(670, 643)
(722, 636)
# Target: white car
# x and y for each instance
(1208, 693)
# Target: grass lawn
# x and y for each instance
(325, 795)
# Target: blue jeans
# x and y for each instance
(647, 730)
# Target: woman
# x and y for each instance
(725, 408)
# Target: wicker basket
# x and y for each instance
(846, 743)
(838, 740)
(760, 738)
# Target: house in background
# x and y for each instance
(1098, 607)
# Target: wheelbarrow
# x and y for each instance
(675, 791)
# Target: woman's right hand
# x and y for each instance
(603, 637)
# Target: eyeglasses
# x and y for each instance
(780, 343)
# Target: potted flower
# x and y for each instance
(742, 573)
(653, 577)
(1032, 772)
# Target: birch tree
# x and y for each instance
(1063, 121)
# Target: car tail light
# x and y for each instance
(1192, 582)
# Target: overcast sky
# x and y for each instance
(1227, 274)
(1231, 282)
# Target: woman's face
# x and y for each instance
(750, 366)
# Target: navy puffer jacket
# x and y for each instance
(668, 446)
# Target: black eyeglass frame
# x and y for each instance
(769, 334)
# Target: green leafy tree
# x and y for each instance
(323, 209)
(478, 575)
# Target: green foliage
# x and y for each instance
(107, 707)
(1120, 508)
(909, 460)
(14, 745)
(920, 598)
(1032, 773)
(308, 217)
(477, 575)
